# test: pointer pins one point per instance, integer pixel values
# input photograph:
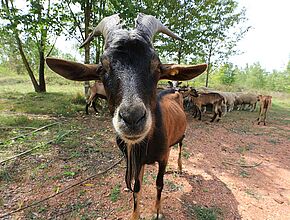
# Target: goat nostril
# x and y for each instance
(132, 116)
(142, 118)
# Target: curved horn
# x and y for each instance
(151, 25)
(103, 28)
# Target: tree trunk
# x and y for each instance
(42, 86)
(20, 47)
(208, 65)
(26, 64)
(87, 10)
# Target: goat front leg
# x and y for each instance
(179, 155)
(159, 187)
(94, 106)
(137, 195)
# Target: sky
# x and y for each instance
(268, 42)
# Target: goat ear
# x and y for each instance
(180, 72)
(73, 70)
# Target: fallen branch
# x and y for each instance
(34, 131)
(32, 149)
(243, 165)
(250, 166)
(19, 155)
(64, 190)
(12, 127)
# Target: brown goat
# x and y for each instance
(97, 90)
(146, 124)
(211, 98)
(265, 102)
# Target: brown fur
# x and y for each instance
(97, 90)
(213, 98)
(174, 119)
(265, 102)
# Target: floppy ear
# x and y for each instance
(180, 72)
(73, 70)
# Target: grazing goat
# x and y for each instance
(96, 91)
(265, 102)
(229, 100)
(247, 99)
(146, 125)
(211, 98)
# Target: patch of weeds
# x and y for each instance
(42, 166)
(185, 154)
(35, 171)
(78, 99)
(75, 208)
(21, 120)
(154, 176)
(5, 176)
(252, 193)
(75, 154)
(206, 213)
(172, 186)
(205, 190)
(82, 193)
(56, 177)
(42, 209)
(244, 173)
(146, 179)
(115, 192)
(244, 149)
(60, 136)
(273, 141)
(69, 173)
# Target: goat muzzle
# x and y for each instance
(132, 122)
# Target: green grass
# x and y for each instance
(115, 193)
(206, 213)
(63, 97)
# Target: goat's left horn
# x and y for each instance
(103, 28)
(150, 25)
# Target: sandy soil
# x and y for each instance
(234, 167)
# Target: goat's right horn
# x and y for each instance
(103, 28)
(150, 25)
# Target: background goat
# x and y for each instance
(130, 70)
(97, 90)
(203, 99)
(265, 102)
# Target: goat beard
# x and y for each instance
(135, 155)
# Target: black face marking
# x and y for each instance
(130, 80)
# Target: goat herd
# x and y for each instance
(200, 100)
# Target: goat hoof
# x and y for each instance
(160, 217)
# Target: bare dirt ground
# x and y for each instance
(234, 169)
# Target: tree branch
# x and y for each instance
(75, 19)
